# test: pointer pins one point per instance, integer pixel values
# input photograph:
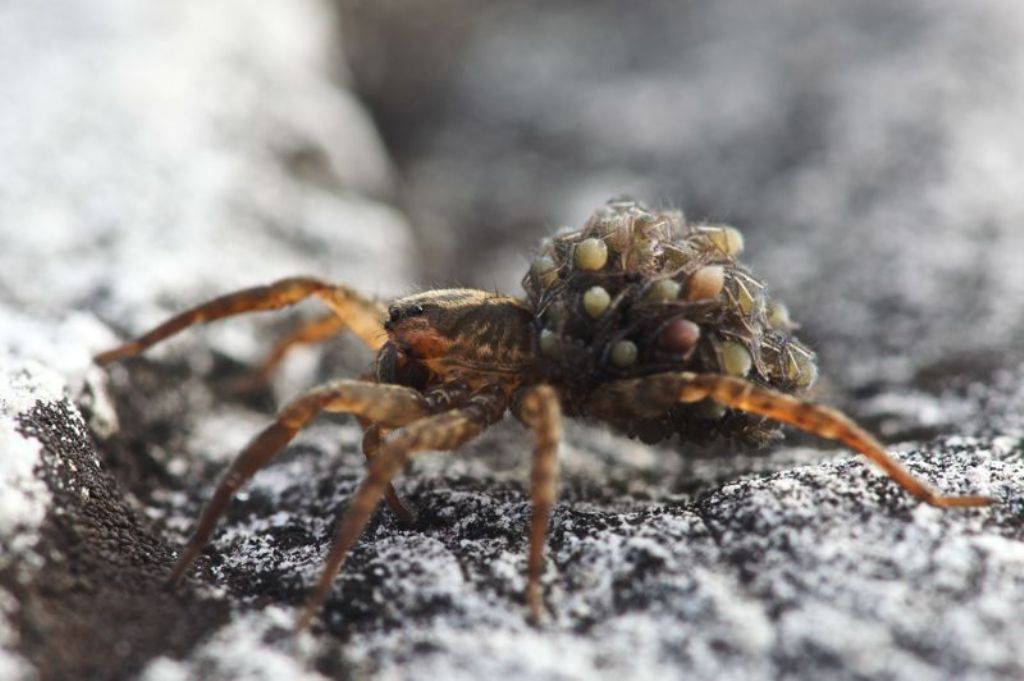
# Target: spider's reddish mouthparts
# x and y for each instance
(422, 343)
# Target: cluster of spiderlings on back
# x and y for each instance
(637, 292)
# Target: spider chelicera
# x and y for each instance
(638, 319)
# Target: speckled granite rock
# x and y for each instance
(215, 152)
(656, 569)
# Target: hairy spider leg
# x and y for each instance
(361, 315)
(812, 418)
(389, 404)
(317, 331)
(540, 410)
(373, 434)
(440, 432)
(350, 310)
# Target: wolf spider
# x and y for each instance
(638, 319)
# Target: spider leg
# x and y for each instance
(372, 436)
(316, 331)
(389, 404)
(812, 418)
(373, 433)
(443, 431)
(360, 315)
(539, 409)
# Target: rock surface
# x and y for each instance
(163, 155)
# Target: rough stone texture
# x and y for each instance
(154, 156)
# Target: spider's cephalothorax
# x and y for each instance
(457, 335)
(637, 319)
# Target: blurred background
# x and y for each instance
(871, 151)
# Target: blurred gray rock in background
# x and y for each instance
(876, 142)
(218, 140)
(153, 155)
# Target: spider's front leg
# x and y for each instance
(350, 310)
(392, 405)
(354, 312)
(440, 432)
(816, 419)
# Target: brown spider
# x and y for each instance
(638, 319)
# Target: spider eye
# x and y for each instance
(397, 313)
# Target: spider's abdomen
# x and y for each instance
(637, 292)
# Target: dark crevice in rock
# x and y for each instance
(98, 607)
